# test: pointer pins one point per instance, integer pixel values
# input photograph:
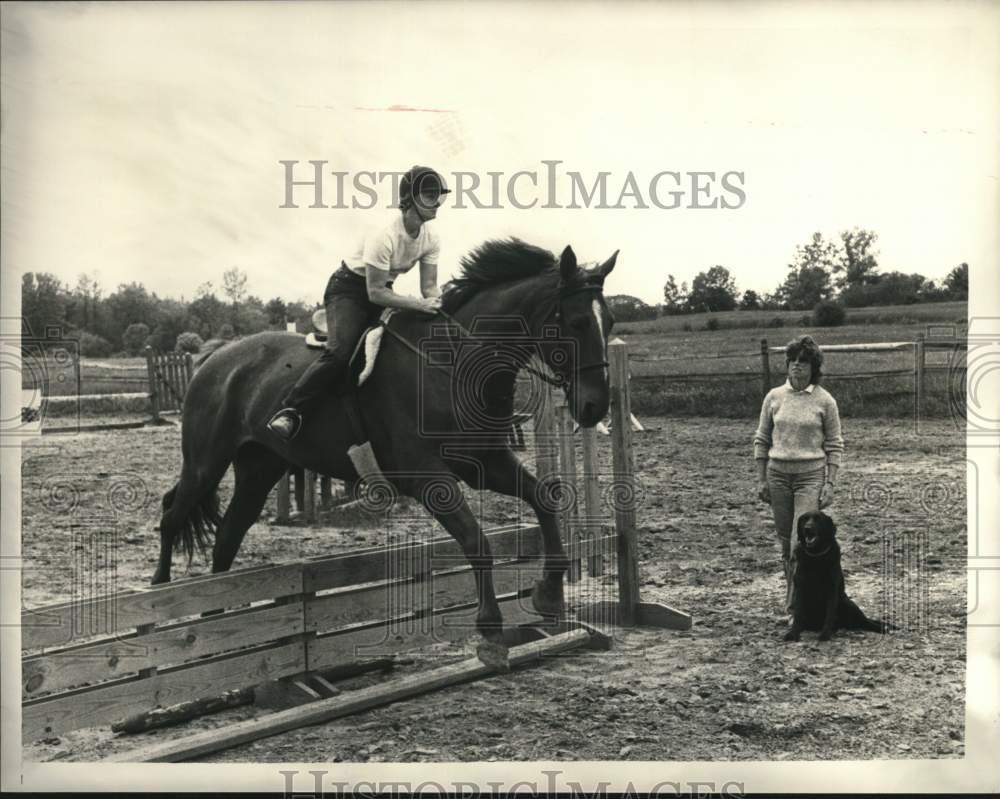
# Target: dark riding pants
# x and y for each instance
(348, 313)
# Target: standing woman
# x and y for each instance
(361, 289)
(797, 446)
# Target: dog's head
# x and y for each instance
(816, 531)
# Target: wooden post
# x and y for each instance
(154, 394)
(592, 498)
(567, 473)
(79, 373)
(765, 368)
(624, 479)
(284, 500)
(918, 375)
(325, 493)
(309, 497)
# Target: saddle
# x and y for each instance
(362, 361)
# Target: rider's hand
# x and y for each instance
(764, 493)
(826, 495)
(430, 305)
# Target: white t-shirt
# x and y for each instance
(393, 250)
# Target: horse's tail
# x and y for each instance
(197, 529)
(210, 347)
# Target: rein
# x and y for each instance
(552, 381)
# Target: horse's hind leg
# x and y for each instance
(506, 474)
(256, 470)
(460, 522)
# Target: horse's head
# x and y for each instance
(581, 358)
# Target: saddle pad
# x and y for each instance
(363, 359)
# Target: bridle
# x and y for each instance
(566, 292)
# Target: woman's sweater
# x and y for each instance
(799, 430)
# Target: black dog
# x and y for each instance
(820, 601)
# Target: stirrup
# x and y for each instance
(286, 423)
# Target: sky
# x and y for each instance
(142, 142)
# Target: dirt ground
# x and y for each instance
(728, 689)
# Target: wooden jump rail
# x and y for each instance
(109, 658)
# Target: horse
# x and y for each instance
(429, 425)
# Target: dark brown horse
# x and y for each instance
(431, 423)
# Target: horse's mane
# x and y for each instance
(496, 262)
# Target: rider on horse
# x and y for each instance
(361, 289)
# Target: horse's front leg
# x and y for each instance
(462, 525)
(506, 474)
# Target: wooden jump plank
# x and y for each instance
(58, 624)
(343, 705)
(372, 565)
(397, 598)
(109, 659)
(107, 703)
(384, 639)
(607, 613)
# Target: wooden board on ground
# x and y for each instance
(346, 704)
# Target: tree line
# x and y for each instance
(130, 318)
(842, 272)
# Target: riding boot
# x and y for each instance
(286, 423)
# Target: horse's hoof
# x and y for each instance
(494, 655)
(547, 602)
(158, 579)
(791, 635)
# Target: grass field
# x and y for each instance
(890, 315)
(57, 375)
(719, 372)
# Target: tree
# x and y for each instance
(134, 338)
(189, 342)
(857, 264)
(808, 280)
(957, 282)
(714, 290)
(130, 304)
(43, 303)
(234, 285)
(674, 298)
(750, 301)
(627, 308)
(828, 314)
(173, 318)
(276, 311)
(93, 346)
(250, 317)
(206, 314)
(892, 288)
(84, 305)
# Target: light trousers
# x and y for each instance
(791, 496)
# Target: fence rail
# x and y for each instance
(922, 388)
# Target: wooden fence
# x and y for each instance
(169, 376)
(924, 388)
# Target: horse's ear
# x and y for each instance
(605, 269)
(567, 263)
